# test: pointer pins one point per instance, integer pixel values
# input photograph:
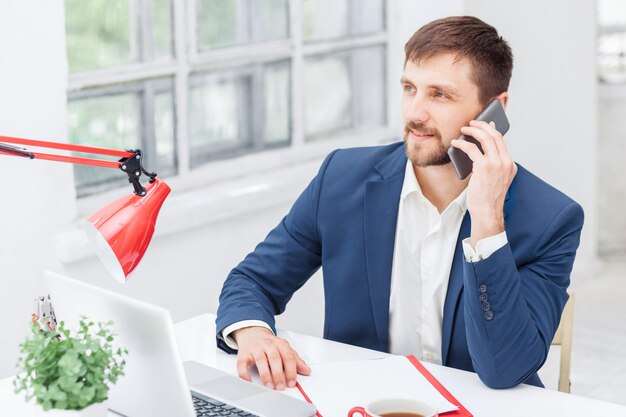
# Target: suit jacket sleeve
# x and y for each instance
(262, 284)
(512, 311)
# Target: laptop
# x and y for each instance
(156, 382)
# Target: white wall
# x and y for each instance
(37, 195)
(196, 244)
(553, 102)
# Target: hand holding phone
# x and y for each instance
(494, 112)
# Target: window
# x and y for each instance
(612, 41)
(190, 82)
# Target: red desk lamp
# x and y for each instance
(121, 230)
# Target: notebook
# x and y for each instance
(337, 387)
(156, 383)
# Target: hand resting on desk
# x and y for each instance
(277, 362)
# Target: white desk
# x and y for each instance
(197, 342)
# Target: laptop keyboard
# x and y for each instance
(209, 407)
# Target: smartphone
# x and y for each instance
(494, 112)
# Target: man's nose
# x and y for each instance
(416, 110)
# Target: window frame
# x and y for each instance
(187, 60)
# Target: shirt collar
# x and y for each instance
(410, 186)
(461, 200)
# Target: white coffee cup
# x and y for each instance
(382, 408)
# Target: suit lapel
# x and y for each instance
(380, 217)
(455, 287)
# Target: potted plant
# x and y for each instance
(65, 371)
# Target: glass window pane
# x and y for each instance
(369, 78)
(216, 106)
(276, 85)
(238, 111)
(331, 19)
(217, 24)
(235, 22)
(98, 33)
(328, 95)
(612, 57)
(611, 12)
(612, 45)
(109, 122)
(270, 20)
(164, 132)
(344, 91)
(162, 28)
(129, 116)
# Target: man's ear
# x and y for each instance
(504, 98)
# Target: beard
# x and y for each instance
(420, 154)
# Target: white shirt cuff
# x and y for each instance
(227, 333)
(484, 248)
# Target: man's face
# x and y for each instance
(438, 98)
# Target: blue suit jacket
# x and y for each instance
(345, 220)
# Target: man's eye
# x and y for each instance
(409, 88)
(440, 94)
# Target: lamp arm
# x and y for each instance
(66, 147)
(15, 151)
(130, 161)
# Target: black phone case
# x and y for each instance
(494, 112)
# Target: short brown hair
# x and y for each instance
(470, 38)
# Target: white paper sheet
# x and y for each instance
(337, 387)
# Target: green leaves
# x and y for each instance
(71, 373)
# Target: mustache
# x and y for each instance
(420, 128)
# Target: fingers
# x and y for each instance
(484, 133)
(263, 366)
(301, 366)
(277, 372)
(499, 142)
(491, 138)
(468, 147)
(276, 361)
(289, 364)
(243, 362)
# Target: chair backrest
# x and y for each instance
(563, 337)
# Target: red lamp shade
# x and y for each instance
(123, 229)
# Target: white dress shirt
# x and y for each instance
(423, 251)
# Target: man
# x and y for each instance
(470, 274)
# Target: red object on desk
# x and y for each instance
(306, 397)
(461, 412)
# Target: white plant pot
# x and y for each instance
(94, 410)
